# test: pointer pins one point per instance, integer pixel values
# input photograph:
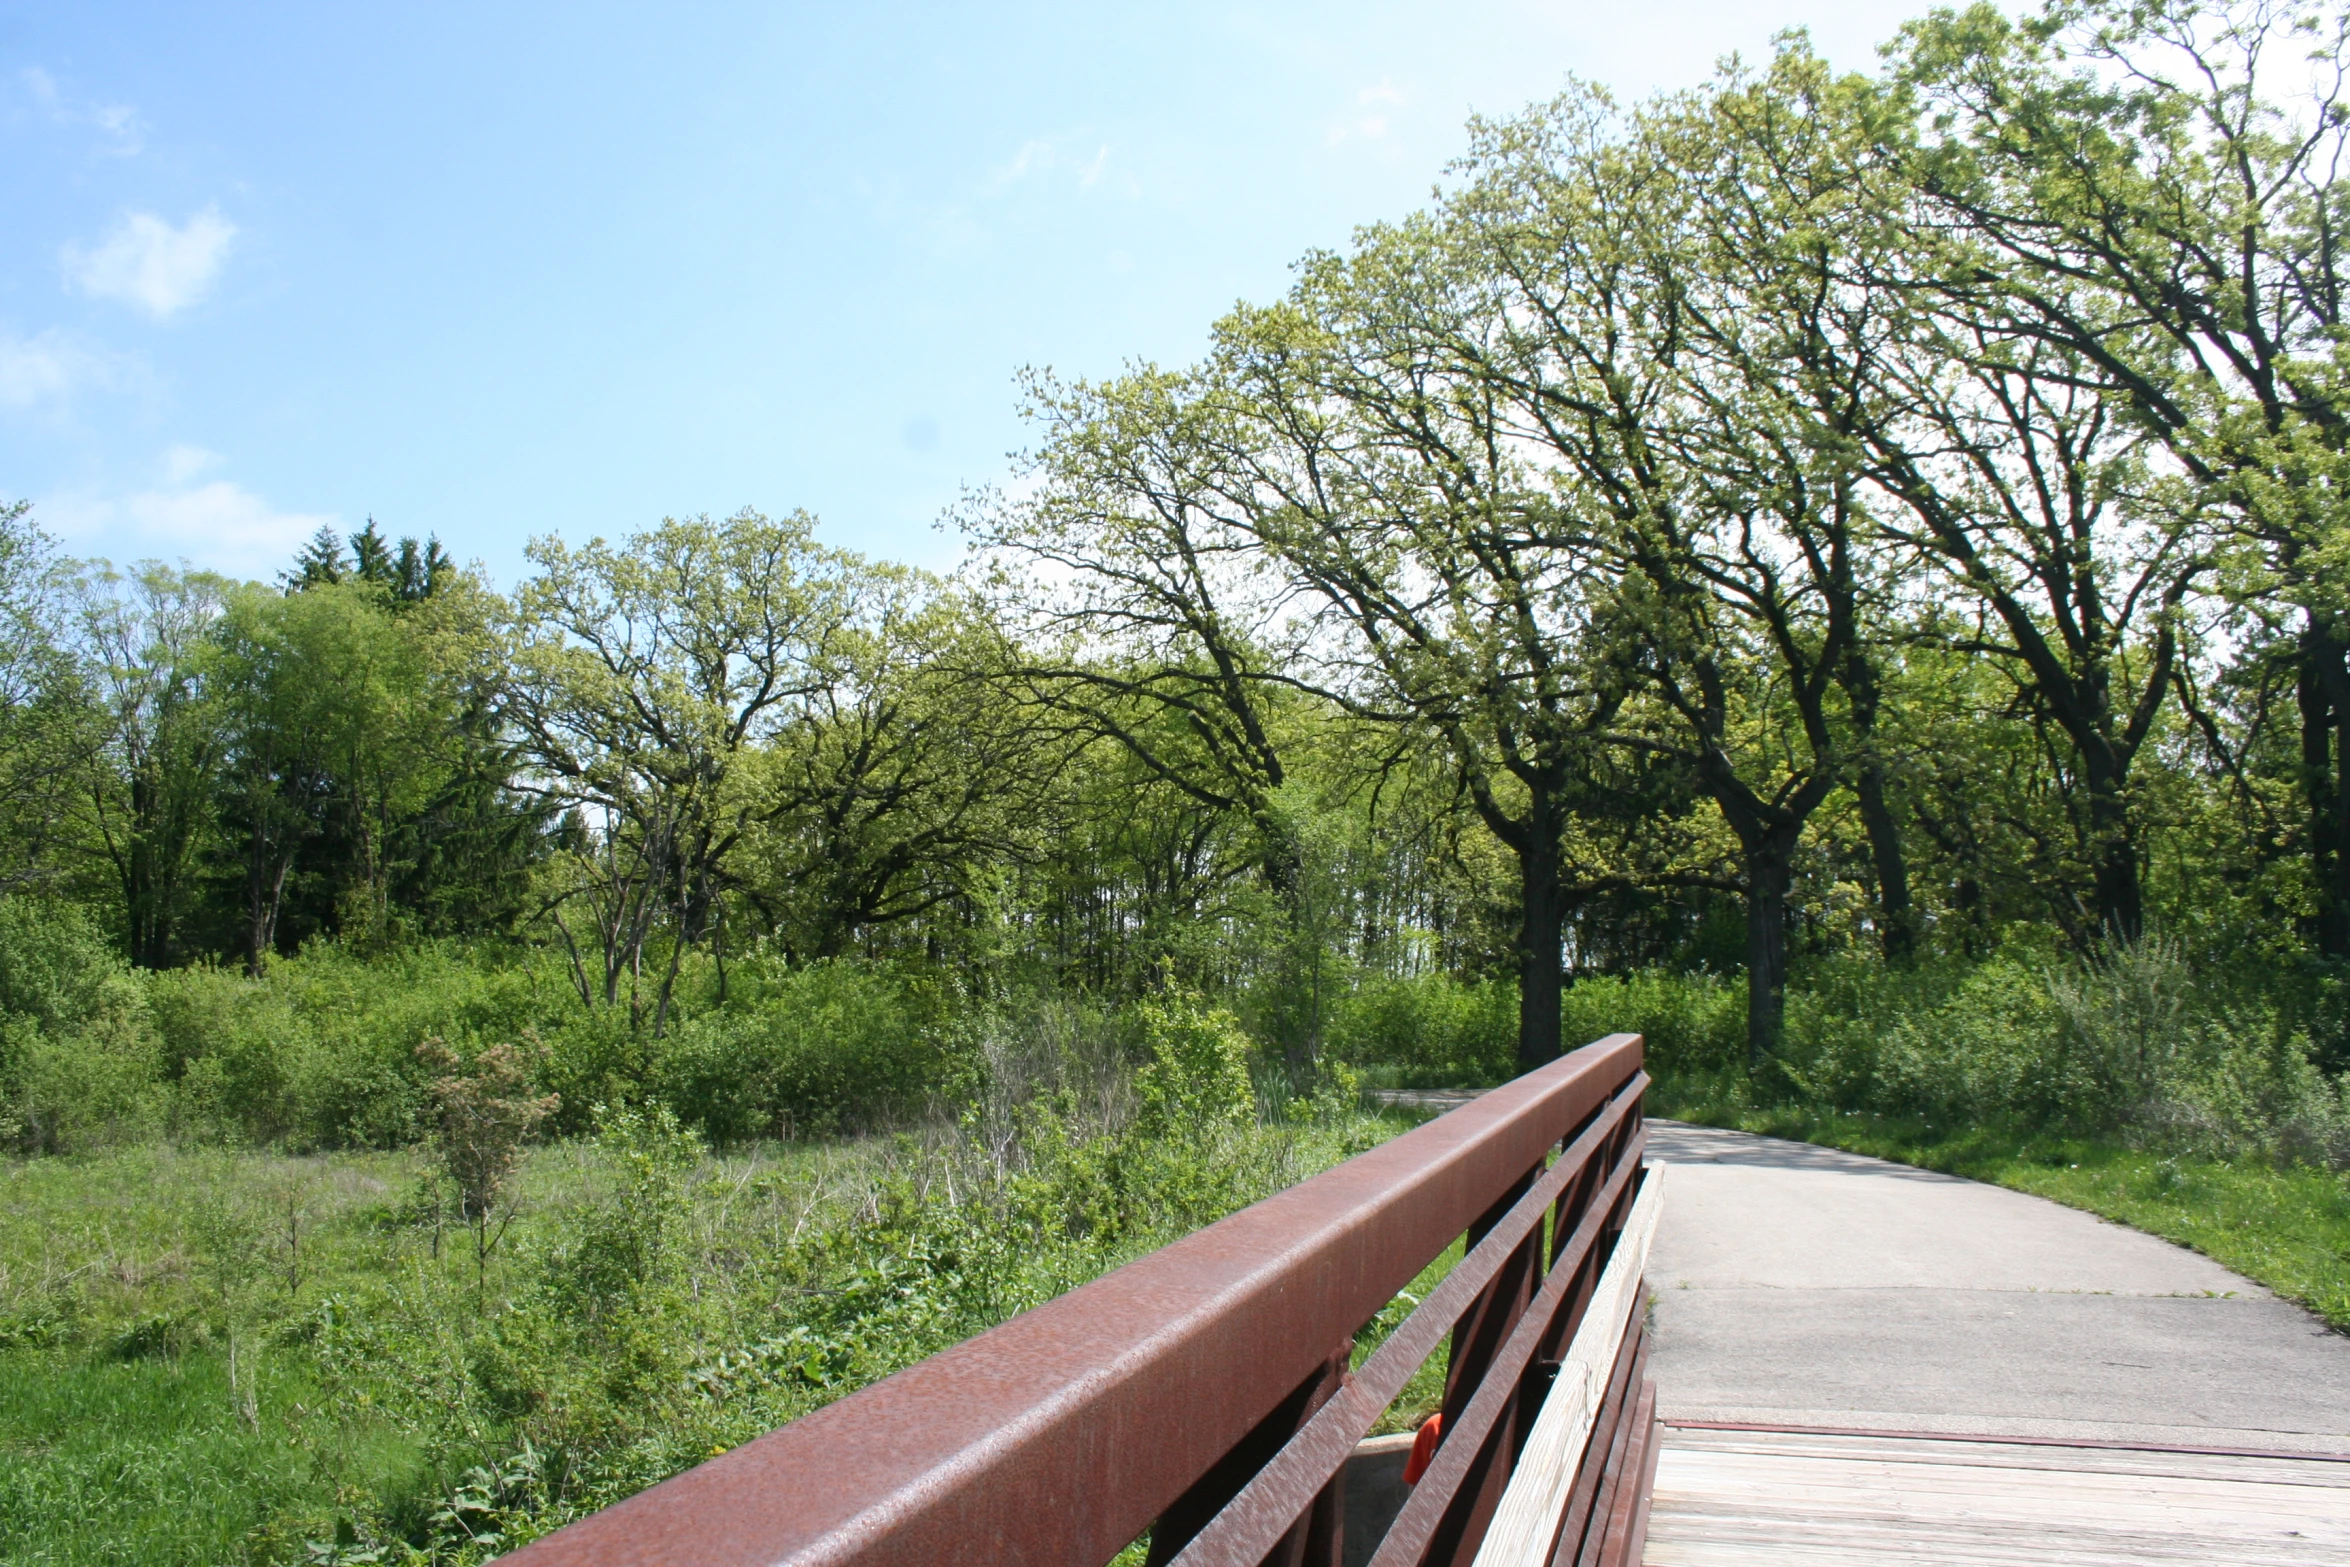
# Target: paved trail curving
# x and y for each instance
(1802, 1286)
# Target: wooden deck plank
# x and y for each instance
(2281, 1467)
(2033, 1490)
(1828, 1497)
(1815, 1501)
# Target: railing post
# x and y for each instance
(1318, 1538)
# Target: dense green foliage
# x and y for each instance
(1768, 524)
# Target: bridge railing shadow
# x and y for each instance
(1673, 1142)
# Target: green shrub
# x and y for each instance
(360, 1084)
(832, 1046)
(618, 1250)
(79, 1062)
(1437, 1031)
(1038, 1045)
(597, 1055)
(1992, 1046)
(98, 1084)
(1689, 1022)
(322, 1053)
(1196, 1078)
(1426, 1030)
(57, 969)
(2133, 1040)
(2247, 1085)
(235, 1049)
(2016, 1036)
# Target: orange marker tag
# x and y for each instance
(1423, 1448)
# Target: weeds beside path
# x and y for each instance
(2286, 1227)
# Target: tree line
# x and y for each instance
(1815, 512)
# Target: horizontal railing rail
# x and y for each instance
(1203, 1393)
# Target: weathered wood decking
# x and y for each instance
(1814, 1499)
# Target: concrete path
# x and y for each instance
(1436, 1101)
(1802, 1286)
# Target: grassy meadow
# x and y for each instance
(215, 1356)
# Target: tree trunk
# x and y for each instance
(1539, 925)
(150, 864)
(142, 896)
(265, 892)
(1297, 1026)
(1966, 901)
(2336, 672)
(1897, 920)
(2119, 899)
(2322, 680)
(1770, 871)
(2113, 851)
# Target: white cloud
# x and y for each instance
(1076, 158)
(214, 523)
(145, 261)
(50, 366)
(121, 132)
(1049, 166)
(1368, 119)
(1033, 157)
(220, 519)
(183, 462)
(33, 369)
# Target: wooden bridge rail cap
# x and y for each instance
(1057, 1437)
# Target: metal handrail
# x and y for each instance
(1202, 1392)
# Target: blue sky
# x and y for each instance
(489, 271)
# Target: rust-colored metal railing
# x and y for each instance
(1203, 1392)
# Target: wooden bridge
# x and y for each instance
(1206, 1396)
